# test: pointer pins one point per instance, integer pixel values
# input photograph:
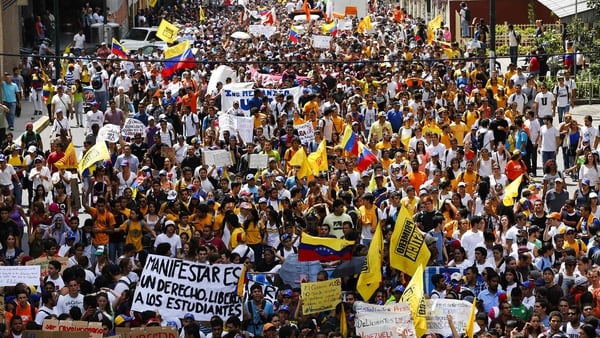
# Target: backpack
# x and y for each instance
(480, 140)
(97, 80)
(467, 14)
(517, 36)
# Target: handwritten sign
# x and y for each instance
(109, 133)
(178, 287)
(437, 315)
(55, 334)
(258, 30)
(235, 124)
(12, 275)
(321, 296)
(269, 291)
(132, 127)
(258, 161)
(139, 332)
(93, 329)
(393, 320)
(306, 132)
(219, 158)
(321, 41)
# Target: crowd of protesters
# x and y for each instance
(449, 136)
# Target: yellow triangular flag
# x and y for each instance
(343, 321)
(364, 24)
(152, 3)
(167, 31)
(408, 250)
(98, 152)
(512, 191)
(318, 159)
(434, 24)
(370, 277)
(470, 329)
(201, 15)
(413, 295)
(69, 160)
(301, 160)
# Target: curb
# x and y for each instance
(39, 125)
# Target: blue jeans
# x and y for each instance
(464, 28)
(10, 116)
(548, 155)
(562, 111)
(115, 250)
(102, 98)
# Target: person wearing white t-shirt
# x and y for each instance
(171, 238)
(563, 95)
(70, 300)
(549, 139)
(78, 42)
(473, 237)
(544, 103)
(589, 132)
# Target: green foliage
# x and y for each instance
(551, 40)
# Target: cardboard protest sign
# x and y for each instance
(109, 133)
(392, 320)
(42, 262)
(321, 41)
(235, 124)
(12, 275)
(306, 132)
(132, 127)
(437, 315)
(93, 329)
(269, 291)
(177, 287)
(321, 296)
(258, 161)
(219, 158)
(147, 332)
(54, 334)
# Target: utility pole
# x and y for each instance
(492, 36)
(57, 50)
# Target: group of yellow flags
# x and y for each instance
(312, 164)
(409, 256)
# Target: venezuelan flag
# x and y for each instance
(350, 141)
(118, 49)
(330, 28)
(323, 249)
(365, 157)
(294, 34)
(178, 57)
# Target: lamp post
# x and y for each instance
(492, 36)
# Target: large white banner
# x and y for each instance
(258, 30)
(220, 75)
(391, 321)
(244, 95)
(175, 287)
(437, 315)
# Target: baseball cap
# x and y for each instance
(2, 158)
(249, 177)
(245, 205)
(558, 179)
(189, 316)
(171, 195)
(99, 250)
(284, 307)
(269, 326)
(593, 195)
(585, 181)
(124, 163)
(167, 223)
(555, 215)
(462, 184)
(122, 319)
(262, 200)
(399, 288)
(32, 149)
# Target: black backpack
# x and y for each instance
(480, 140)
(468, 14)
(97, 80)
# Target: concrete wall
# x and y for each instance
(11, 34)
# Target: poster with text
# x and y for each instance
(175, 287)
(393, 320)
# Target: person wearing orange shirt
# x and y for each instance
(24, 309)
(104, 220)
(416, 177)
(516, 166)
(190, 99)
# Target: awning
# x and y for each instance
(564, 8)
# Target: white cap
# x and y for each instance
(32, 149)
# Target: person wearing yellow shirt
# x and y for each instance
(512, 70)
(459, 129)
(368, 217)
(297, 119)
(312, 105)
(380, 127)
(289, 153)
(367, 83)
(386, 142)
(338, 122)
(430, 126)
(446, 136)
(411, 201)
(501, 99)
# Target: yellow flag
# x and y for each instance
(343, 320)
(470, 329)
(512, 191)
(177, 50)
(413, 295)
(434, 24)
(301, 160)
(167, 31)
(69, 161)
(327, 28)
(408, 250)
(201, 15)
(318, 159)
(370, 277)
(98, 152)
(152, 3)
(364, 24)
